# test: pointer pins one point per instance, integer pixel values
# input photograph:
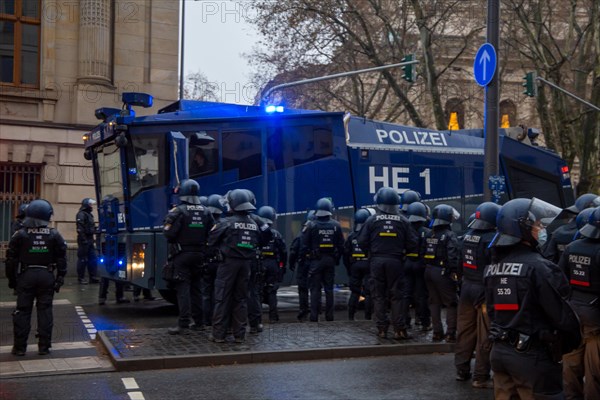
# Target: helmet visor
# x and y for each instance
(322, 213)
(544, 212)
(190, 199)
(416, 218)
(388, 208)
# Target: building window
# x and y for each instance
(19, 184)
(20, 42)
(455, 113)
(508, 113)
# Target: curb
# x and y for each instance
(249, 357)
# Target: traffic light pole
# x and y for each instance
(327, 77)
(490, 166)
(555, 86)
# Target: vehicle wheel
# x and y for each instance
(169, 295)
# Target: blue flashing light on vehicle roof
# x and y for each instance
(271, 109)
(137, 99)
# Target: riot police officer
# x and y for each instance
(299, 264)
(186, 228)
(563, 235)
(18, 222)
(322, 244)
(236, 238)
(441, 256)
(531, 323)
(34, 252)
(357, 266)
(386, 238)
(414, 268)
(216, 204)
(273, 259)
(581, 263)
(86, 251)
(473, 323)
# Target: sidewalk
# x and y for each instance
(145, 349)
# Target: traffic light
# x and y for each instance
(529, 84)
(408, 69)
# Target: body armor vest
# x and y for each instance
(584, 266)
(242, 237)
(271, 249)
(37, 249)
(474, 254)
(323, 236)
(194, 230)
(435, 248)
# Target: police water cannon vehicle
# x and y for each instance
(288, 158)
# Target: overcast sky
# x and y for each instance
(216, 35)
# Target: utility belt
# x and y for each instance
(49, 267)
(319, 254)
(520, 341)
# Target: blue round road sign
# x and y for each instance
(484, 65)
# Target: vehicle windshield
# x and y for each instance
(146, 162)
(109, 171)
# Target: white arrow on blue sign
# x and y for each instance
(484, 65)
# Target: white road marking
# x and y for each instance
(130, 383)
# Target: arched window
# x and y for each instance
(508, 110)
(455, 105)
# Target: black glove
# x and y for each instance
(58, 282)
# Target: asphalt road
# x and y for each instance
(406, 377)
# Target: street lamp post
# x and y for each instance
(181, 73)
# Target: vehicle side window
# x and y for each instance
(242, 152)
(295, 145)
(203, 159)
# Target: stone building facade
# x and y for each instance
(60, 60)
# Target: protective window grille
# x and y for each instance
(19, 183)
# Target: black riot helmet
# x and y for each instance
(485, 216)
(38, 213)
(310, 215)
(516, 219)
(387, 200)
(21, 211)
(583, 217)
(443, 214)
(407, 198)
(323, 208)
(189, 192)
(585, 201)
(240, 200)
(592, 228)
(203, 200)
(361, 216)
(216, 204)
(87, 203)
(267, 213)
(417, 212)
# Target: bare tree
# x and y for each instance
(328, 36)
(561, 41)
(198, 87)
